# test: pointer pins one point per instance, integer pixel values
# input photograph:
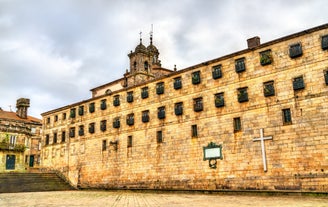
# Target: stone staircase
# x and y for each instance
(32, 182)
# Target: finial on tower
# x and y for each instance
(151, 34)
(140, 37)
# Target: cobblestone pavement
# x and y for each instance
(134, 199)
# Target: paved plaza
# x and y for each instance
(129, 198)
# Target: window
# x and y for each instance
(104, 145)
(144, 92)
(160, 88)
(177, 84)
(130, 119)
(47, 139)
(298, 83)
(63, 136)
(194, 132)
(116, 101)
(161, 112)
(195, 77)
(81, 130)
(324, 42)
(129, 144)
(81, 110)
(92, 107)
(103, 125)
(178, 108)
(73, 113)
(48, 120)
(146, 65)
(266, 57)
(286, 116)
(198, 104)
(326, 77)
(219, 100)
(92, 128)
(240, 65)
(56, 118)
(129, 97)
(295, 50)
(216, 71)
(103, 104)
(64, 116)
(242, 95)
(159, 137)
(145, 116)
(55, 137)
(116, 122)
(236, 124)
(268, 88)
(72, 132)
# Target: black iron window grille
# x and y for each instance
(216, 71)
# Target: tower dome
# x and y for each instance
(140, 48)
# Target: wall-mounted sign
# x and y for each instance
(212, 152)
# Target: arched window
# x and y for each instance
(146, 65)
(135, 65)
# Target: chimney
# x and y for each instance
(253, 42)
(22, 104)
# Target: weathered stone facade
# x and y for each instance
(280, 87)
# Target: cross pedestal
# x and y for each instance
(262, 138)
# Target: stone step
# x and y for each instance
(31, 182)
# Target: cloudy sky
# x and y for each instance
(55, 51)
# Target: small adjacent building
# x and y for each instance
(20, 138)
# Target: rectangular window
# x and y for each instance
(48, 120)
(195, 77)
(198, 104)
(145, 116)
(55, 137)
(216, 71)
(47, 139)
(144, 92)
(298, 83)
(129, 97)
(161, 112)
(103, 104)
(64, 116)
(266, 57)
(56, 118)
(81, 130)
(130, 119)
(103, 125)
(194, 132)
(268, 88)
(286, 116)
(159, 137)
(104, 145)
(92, 107)
(178, 108)
(129, 144)
(160, 88)
(73, 113)
(72, 132)
(63, 136)
(240, 65)
(236, 124)
(324, 42)
(326, 77)
(92, 128)
(219, 100)
(81, 110)
(177, 84)
(116, 101)
(116, 122)
(295, 50)
(242, 95)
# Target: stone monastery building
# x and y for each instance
(252, 120)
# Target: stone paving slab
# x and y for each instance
(139, 199)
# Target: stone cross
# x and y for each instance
(262, 138)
